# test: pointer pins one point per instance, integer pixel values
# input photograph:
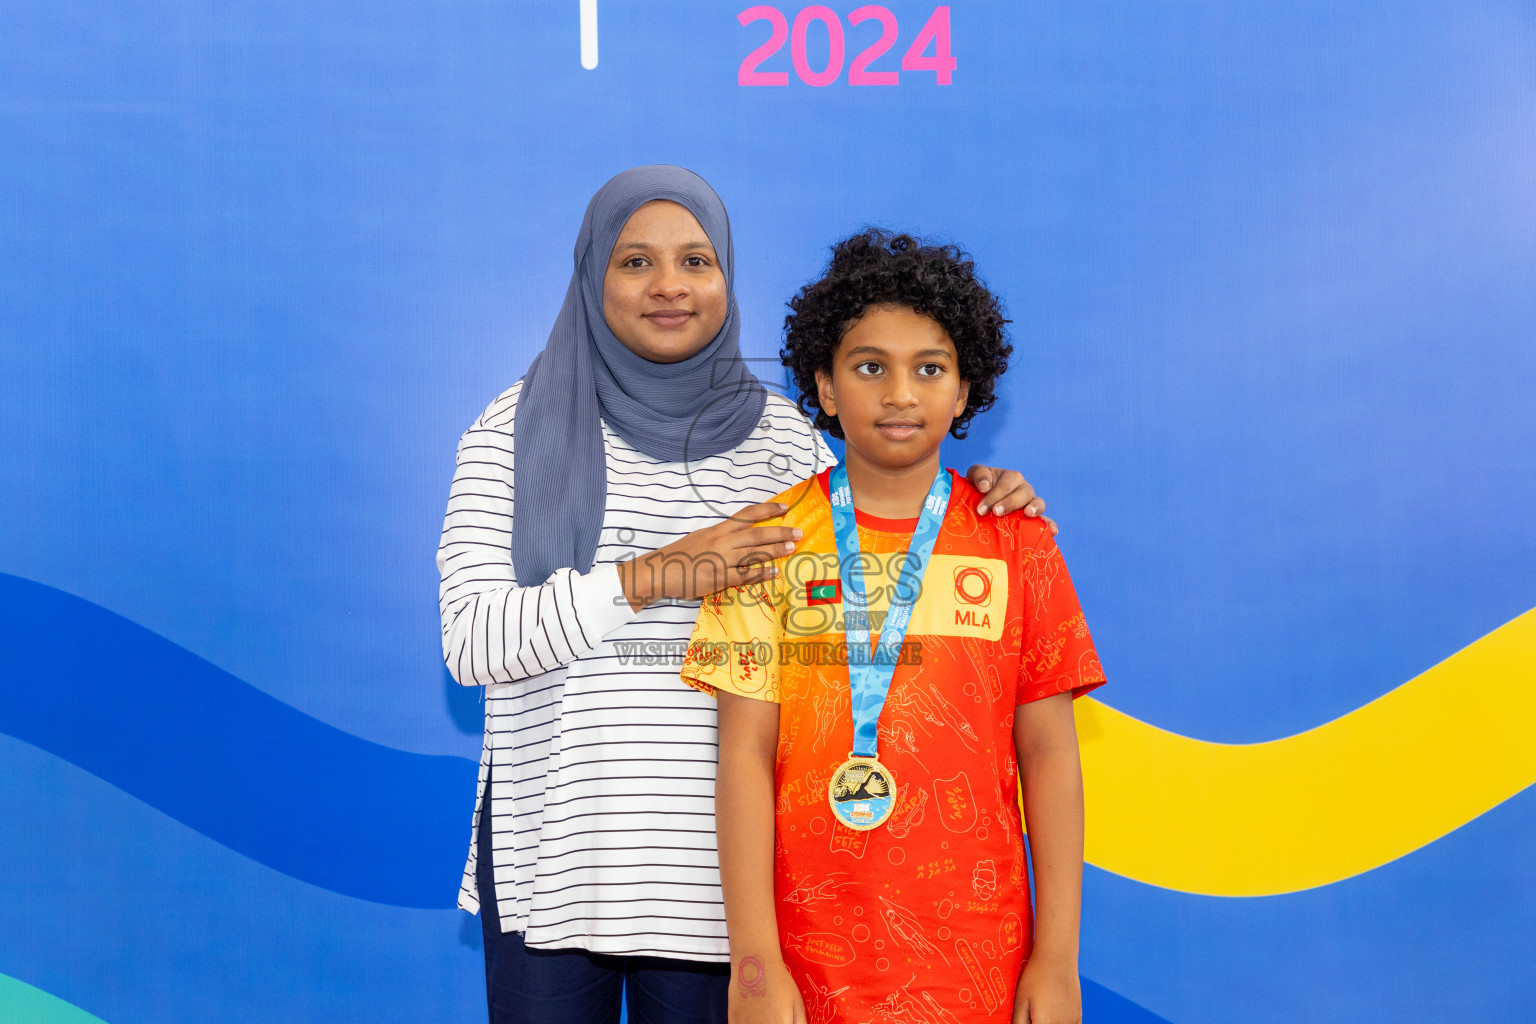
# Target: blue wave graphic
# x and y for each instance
(1102, 1006)
(130, 915)
(183, 929)
(246, 771)
(226, 759)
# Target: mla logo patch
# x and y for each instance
(973, 584)
(823, 592)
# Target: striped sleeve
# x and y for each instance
(495, 631)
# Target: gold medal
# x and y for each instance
(862, 793)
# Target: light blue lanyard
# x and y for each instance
(869, 673)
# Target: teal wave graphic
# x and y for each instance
(21, 1002)
(226, 759)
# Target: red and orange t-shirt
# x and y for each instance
(930, 911)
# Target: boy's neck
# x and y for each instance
(890, 493)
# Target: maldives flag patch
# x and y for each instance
(823, 592)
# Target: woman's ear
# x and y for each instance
(825, 396)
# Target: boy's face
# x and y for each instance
(895, 386)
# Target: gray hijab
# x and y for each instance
(706, 404)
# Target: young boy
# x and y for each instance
(882, 695)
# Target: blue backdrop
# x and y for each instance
(1270, 267)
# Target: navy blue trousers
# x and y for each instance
(538, 986)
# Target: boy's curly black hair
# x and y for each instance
(875, 268)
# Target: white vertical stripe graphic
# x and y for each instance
(589, 34)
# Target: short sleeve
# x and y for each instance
(1057, 651)
(735, 644)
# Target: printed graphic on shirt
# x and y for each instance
(957, 596)
(824, 592)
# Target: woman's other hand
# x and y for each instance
(1006, 490)
(763, 992)
(733, 552)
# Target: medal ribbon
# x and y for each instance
(870, 672)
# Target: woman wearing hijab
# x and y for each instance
(640, 434)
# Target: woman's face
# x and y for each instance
(664, 294)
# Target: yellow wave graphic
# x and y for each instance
(1311, 809)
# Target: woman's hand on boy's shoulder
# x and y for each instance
(1006, 490)
(1049, 993)
(737, 551)
(764, 992)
